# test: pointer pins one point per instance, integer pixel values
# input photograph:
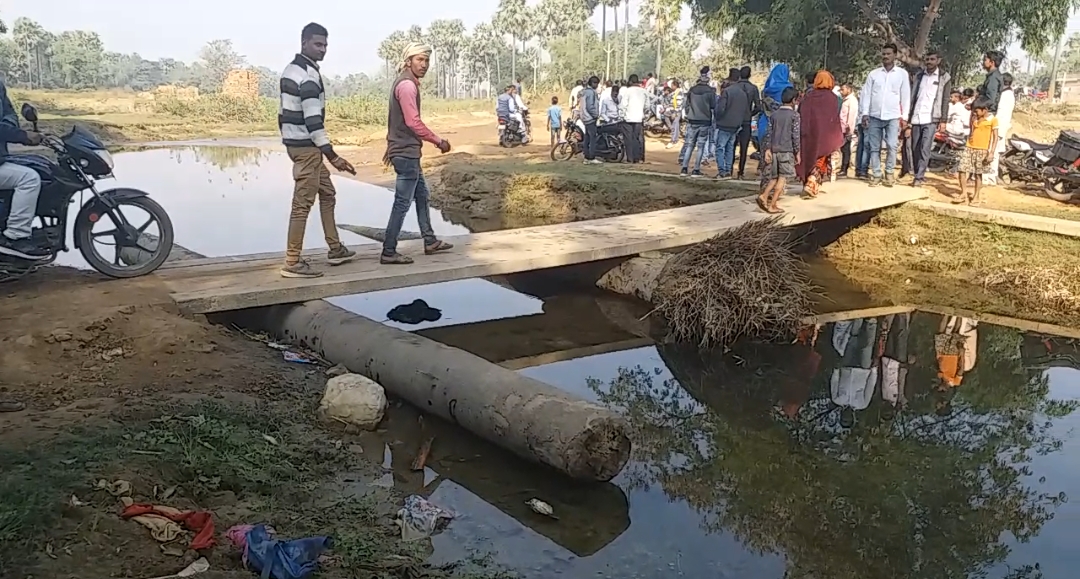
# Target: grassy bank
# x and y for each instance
(125, 116)
(523, 191)
(905, 255)
(246, 463)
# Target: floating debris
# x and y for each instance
(540, 507)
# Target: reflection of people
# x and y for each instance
(895, 361)
(796, 390)
(854, 380)
(956, 347)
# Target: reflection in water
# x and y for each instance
(839, 454)
(227, 157)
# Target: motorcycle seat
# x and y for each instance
(1035, 145)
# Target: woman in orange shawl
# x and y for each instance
(821, 134)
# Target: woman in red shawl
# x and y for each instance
(821, 134)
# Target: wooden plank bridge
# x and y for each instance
(236, 282)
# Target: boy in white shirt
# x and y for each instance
(959, 122)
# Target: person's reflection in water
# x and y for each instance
(853, 382)
(895, 362)
(956, 346)
(796, 390)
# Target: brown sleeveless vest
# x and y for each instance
(400, 140)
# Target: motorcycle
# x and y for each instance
(655, 125)
(945, 151)
(1024, 160)
(610, 147)
(82, 160)
(510, 131)
(573, 142)
(1061, 175)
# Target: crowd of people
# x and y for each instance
(814, 133)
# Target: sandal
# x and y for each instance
(438, 247)
(395, 259)
(762, 206)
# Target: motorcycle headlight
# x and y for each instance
(105, 156)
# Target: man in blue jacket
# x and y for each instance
(24, 181)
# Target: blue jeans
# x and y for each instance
(875, 133)
(410, 186)
(725, 150)
(675, 130)
(697, 137)
(862, 154)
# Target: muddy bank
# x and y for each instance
(118, 386)
(500, 193)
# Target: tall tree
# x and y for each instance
(219, 57)
(79, 56)
(660, 16)
(845, 35)
(510, 19)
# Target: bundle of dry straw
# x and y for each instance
(745, 283)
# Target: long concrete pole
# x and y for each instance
(532, 419)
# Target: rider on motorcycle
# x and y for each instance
(15, 239)
(507, 107)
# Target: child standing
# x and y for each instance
(781, 146)
(976, 158)
(554, 120)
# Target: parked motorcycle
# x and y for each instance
(655, 127)
(945, 151)
(1024, 160)
(510, 131)
(81, 160)
(610, 147)
(1061, 175)
(573, 142)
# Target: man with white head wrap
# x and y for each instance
(405, 136)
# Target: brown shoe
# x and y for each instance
(301, 269)
(340, 255)
(437, 247)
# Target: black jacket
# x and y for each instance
(941, 96)
(753, 95)
(991, 89)
(732, 108)
(10, 132)
(700, 103)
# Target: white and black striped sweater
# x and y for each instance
(302, 114)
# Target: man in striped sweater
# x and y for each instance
(301, 119)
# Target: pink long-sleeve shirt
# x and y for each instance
(407, 94)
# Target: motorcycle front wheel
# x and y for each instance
(151, 249)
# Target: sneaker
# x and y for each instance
(23, 249)
(696, 175)
(340, 255)
(597, 161)
(918, 183)
(888, 183)
(669, 145)
(873, 182)
(683, 172)
(741, 177)
(301, 269)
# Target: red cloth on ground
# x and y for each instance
(821, 134)
(201, 522)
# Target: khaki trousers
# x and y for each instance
(312, 180)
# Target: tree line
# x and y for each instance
(552, 43)
(33, 57)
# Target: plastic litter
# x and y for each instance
(414, 313)
(200, 565)
(274, 559)
(420, 519)
(295, 358)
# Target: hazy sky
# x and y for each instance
(266, 31)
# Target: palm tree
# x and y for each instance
(510, 18)
(662, 15)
